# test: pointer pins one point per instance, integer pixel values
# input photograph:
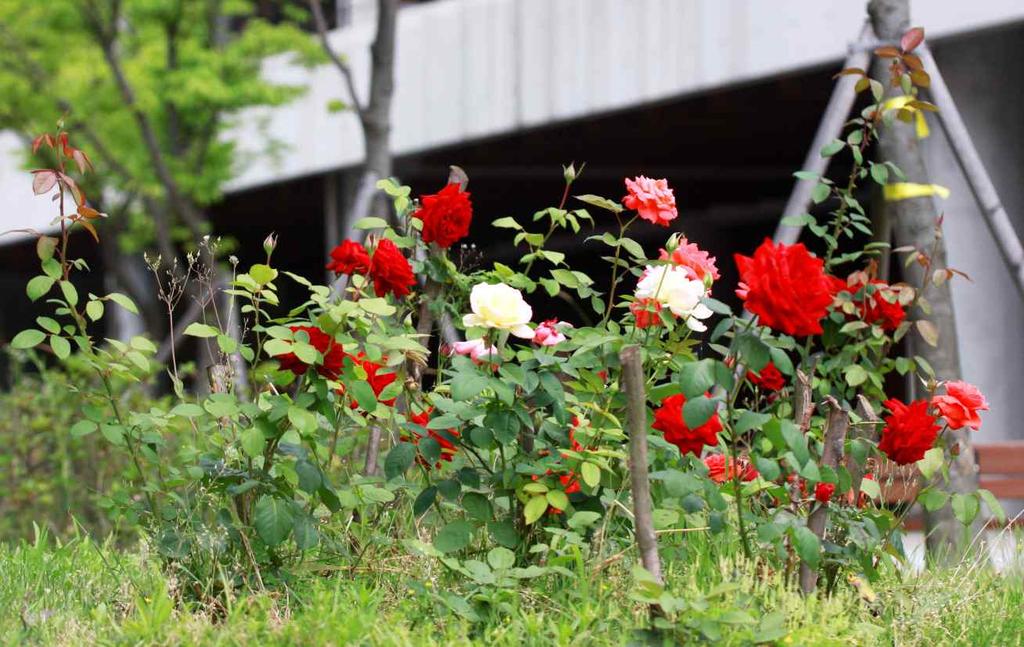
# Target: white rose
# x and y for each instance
(672, 287)
(499, 306)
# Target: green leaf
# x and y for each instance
(697, 378)
(535, 508)
(306, 534)
(506, 223)
(501, 558)
(310, 477)
(123, 301)
(423, 502)
(558, 499)
(820, 192)
(807, 546)
(262, 274)
(454, 536)
(750, 420)
(61, 347)
(753, 352)
(187, 410)
(38, 287)
(504, 533)
(833, 147)
(932, 499)
(879, 173)
(871, 488)
(275, 347)
(252, 440)
(583, 519)
(698, 411)
(273, 519)
(965, 507)
(591, 474)
(465, 386)
(855, 375)
(28, 339)
(48, 324)
(477, 506)
(94, 309)
(377, 306)
(82, 428)
(371, 223)
(993, 505)
(196, 329)
(303, 420)
(601, 203)
(931, 462)
(364, 395)
(70, 293)
(399, 459)
(45, 247)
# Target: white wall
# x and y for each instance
(473, 68)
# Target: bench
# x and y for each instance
(1000, 470)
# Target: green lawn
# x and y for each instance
(81, 593)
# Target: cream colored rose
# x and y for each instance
(499, 306)
(672, 287)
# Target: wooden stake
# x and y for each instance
(636, 418)
(835, 436)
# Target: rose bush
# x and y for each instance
(509, 438)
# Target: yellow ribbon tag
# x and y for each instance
(897, 103)
(907, 190)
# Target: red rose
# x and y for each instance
(786, 287)
(390, 271)
(909, 432)
(446, 216)
(569, 482)
(769, 378)
(646, 313)
(823, 492)
(668, 419)
(721, 469)
(448, 448)
(331, 350)
(880, 307)
(349, 257)
(374, 378)
(961, 404)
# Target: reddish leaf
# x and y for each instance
(911, 39)
(90, 213)
(36, 143)
(888, 52)
(43, 181)
(850, 71)
(82, 160)
(92, 230)
(920, 78)
(913, 62)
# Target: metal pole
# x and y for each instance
(974, 172)
(830, 127)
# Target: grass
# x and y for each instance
(83, 593)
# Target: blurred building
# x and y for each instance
(722, 97)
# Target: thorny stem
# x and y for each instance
(615, 269)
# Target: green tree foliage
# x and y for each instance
(151, 88)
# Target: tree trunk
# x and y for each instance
(913, 223)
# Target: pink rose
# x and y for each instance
(961, 404)
(651, 199)
(549, 333)
(475, 349)
(700, 263)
